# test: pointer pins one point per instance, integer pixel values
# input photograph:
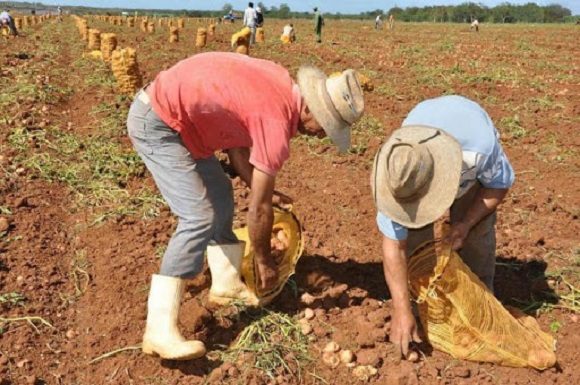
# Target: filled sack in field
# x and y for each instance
(462, 317)
(241, 41)
(287, 246)
(126, 70)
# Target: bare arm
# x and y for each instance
(403, 325)
(240, 160)
(486, 202)
(260, 219)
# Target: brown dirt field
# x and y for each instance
(84, 237)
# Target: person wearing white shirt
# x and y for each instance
(378, 22)
(288, 34)
(6, 19)
(250, 17)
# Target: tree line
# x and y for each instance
(462, 13)
(466, 12)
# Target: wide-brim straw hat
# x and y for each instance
(335, 102)
(416, 175)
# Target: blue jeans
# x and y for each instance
(197, 191)
(478, 250)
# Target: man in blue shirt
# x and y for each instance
(446, 155)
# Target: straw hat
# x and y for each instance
(416, 175)
(336, 102)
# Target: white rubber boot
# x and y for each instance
(162, 337)
(225, 262)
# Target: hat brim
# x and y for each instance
(441, 192)
(312, 84)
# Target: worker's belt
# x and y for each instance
(143, 97)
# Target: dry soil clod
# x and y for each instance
(4, 224)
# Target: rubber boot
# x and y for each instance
(162, 337)
(225, 262)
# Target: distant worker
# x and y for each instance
(391, 21)
(250, 21)
(475, 25)
(259, 17)
(378, 22)
(7, 20)
(231, 16)
(318, 24)
(446, 156)
(59, 13)
(288, 34)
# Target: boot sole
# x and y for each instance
(150, 350)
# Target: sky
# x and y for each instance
(343, 6)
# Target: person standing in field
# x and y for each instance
(475, 25)
(378, 22)
(446, 156)
(391, 21)
(318, 24)
(259, 17)
(8, 20)
(178, 122)
(250, 19)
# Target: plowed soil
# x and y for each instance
(82, 261)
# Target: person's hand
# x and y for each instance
(403, 330)
(267, 274)
(457, 235)
(279, 199)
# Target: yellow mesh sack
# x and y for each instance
(241, 41)
(285, 221)
(462, 317)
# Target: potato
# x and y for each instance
(330, 359)
(331, 347)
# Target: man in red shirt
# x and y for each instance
(250, 108)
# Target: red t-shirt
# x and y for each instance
(220, 100)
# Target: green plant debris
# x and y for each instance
(12, 299)
(273, 344)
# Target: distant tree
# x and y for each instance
(284, 11)
(227, 8)
(555, 13)
(395, 11)
(503, 13)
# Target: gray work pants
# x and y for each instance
(197, 191)
(252, 35)
(478, 251)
